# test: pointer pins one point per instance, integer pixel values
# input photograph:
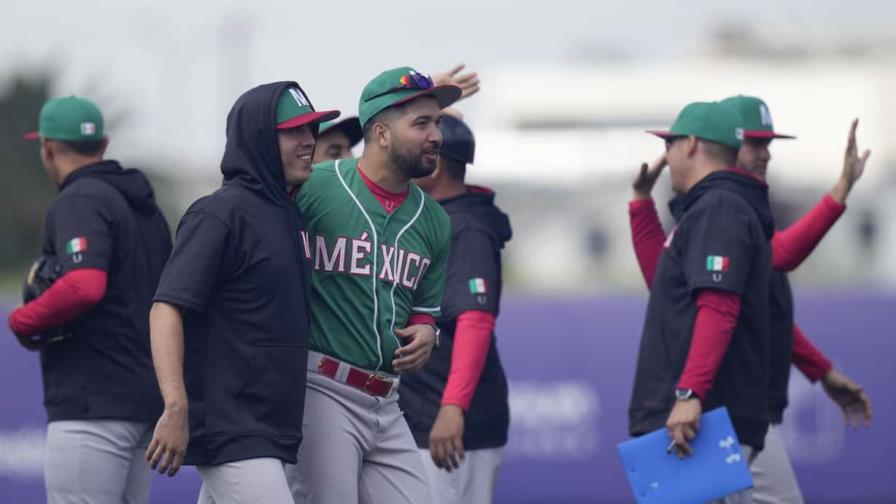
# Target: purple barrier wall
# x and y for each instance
(570, 364)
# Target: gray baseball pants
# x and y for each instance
(356, 448)
(471, 483)
(250, 481)
(744, 496)
(773, 479)
(97, 462)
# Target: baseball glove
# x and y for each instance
(41, 276)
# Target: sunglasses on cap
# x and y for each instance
(412, 80)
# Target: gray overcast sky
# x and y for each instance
(152, 58)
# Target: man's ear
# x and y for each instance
(48, 147)
(691, 146)
(382, 134)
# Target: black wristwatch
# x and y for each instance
(683, 394)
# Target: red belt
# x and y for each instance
(369, 383)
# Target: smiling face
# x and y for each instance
(296, 149)
(415, 139)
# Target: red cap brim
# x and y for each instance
(310, 118)
(765, 134)
(31, 135)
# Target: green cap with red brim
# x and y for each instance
(72, 118)
(350, 127)
(757, 121)
(398, 86)
(710, 121)
(294, 109)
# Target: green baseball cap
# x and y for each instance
(350, 127)
(294, 109)
(709, 121)
(757, 121)
(73, 119)
(401, 85)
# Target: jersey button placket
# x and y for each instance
(382, 293)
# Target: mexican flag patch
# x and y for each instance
(76, 245)
(717, 263)
(478, 286)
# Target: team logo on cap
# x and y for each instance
(88, 128)
(764, 115)
(299, 97)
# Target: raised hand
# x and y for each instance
(647, 176)
(853, 166)
(467, 82)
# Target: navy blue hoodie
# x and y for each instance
(242, 281)
(106, 218)
(720, 241)
(479, 231)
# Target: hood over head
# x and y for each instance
(252, 154)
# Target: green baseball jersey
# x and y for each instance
(372, 269)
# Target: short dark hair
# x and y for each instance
(455, 169)
(383, 116)
(720, 152)
(91, 148)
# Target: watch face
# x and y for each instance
(683, 393)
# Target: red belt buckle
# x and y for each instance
(374, 379)
(367, 382)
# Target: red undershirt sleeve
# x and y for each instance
(472, 337)
(648, 236)
(421, 318)
(71, 296)
(791, 246)
(717, 313)
(807, 358)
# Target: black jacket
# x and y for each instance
(721, 241)
(106, 218)
(781, 345)
(479, 231)
(240, 275)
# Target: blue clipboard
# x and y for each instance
(716, 469)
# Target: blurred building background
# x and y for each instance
(566, 97)
(568, 90)
(563, 159)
